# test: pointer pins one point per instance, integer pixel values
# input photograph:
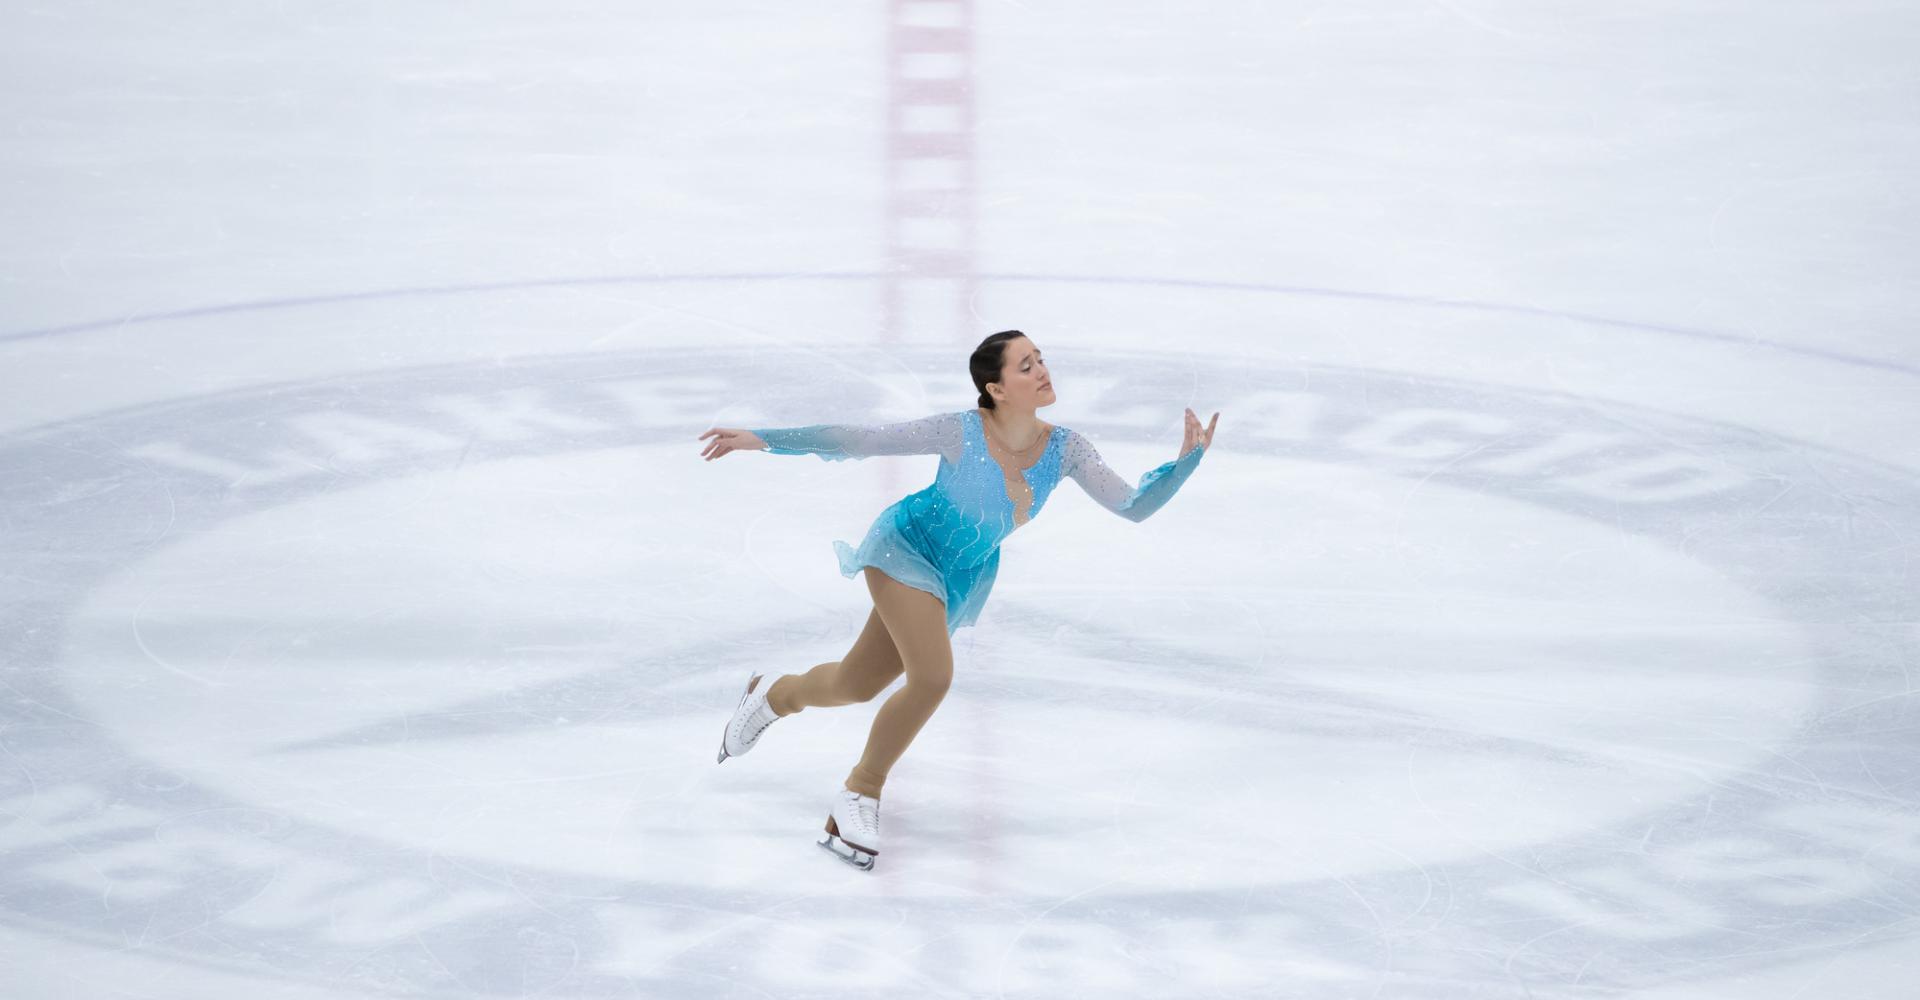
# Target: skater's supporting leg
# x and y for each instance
(868, 668)
(917, 621)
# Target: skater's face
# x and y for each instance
(1024, 380)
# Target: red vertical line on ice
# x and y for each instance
(929, 280)
(929, 154)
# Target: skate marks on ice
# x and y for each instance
(345, 673)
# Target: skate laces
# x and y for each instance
(767, 711)
(866, 811)
(750, 725)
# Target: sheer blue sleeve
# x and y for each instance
(940, 434)
(1082, 462)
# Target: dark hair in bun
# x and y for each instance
(988, 360)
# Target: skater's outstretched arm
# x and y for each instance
(1082, 462)
(940, 434)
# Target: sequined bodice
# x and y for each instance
(1019, 490)
(970, 508)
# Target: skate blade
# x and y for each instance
(844, 851)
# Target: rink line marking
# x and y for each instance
(1304, 291)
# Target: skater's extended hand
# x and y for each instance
(1195, 435)
(726, 439)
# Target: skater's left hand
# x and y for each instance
(1195, 435)
(727, 440)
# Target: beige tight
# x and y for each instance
(905, 633)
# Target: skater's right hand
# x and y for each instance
(726, 439)
(1197, 434)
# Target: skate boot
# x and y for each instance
(853, 829)
(750, 719)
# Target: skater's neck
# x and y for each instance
(1017, 429)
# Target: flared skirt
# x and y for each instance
(896, 547)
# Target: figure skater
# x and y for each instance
(930, 558)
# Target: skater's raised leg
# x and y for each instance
(864, 672)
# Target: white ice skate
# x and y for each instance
(750, 719)
(853, 829)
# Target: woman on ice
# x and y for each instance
(930, 558)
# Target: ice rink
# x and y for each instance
(1541, 624)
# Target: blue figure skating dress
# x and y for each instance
(945, 539)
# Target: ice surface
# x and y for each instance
(1541, 624)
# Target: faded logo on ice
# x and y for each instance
(102, 841)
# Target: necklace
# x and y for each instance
(1018, 452)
